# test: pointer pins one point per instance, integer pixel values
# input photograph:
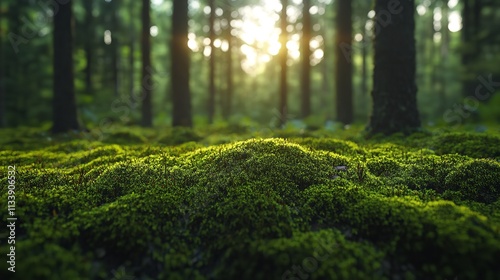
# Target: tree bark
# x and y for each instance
(64, 104)
(306, 60)
(146, 79)
(344, 64)
(181, 96)
(283, 57)
(88, 45)
(211, 96)
(394, 87)
(229, 68)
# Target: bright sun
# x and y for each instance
(257, 28)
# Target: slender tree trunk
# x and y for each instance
(229, 68)
(115, 49)
(344, 64)
(306, 60)
(211, 97)
(445, 43)
(146, 87)
(131, 57)
(364, 74)
(64, 104)
(181, 98)
(283, 62)
(88, 45)
(394, 88)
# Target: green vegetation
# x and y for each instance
(191, 205)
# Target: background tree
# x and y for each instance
(89, 43)
(283, 57)
(64, 104)
(394, 88)
(146, 88)
(306, 59)
(181, 96)
(211, 89)
(343, 77)
(229, 92)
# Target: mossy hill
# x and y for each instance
(299, 206)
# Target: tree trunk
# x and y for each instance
(146, 87)
(283, 56)
(364, 74)
(306, 60)
(115, 48)
(229, 68)
(88, 45)
(181, 96)
(2, 80)
(211, 94)
(471, 26)
(343, 75)
(394, 88)
(131, 56)
(64, 104)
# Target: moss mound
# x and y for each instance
(255, 209)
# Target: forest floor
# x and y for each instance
(237, 203)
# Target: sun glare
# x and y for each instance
(258, 29)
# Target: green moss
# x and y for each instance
(476, 180)
(179, 135)
(473, 145)
(314, 255)
(338, 146)
(255, 209)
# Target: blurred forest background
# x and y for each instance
(235, 55)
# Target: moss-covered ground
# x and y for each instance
(238, 204)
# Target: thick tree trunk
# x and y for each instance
(146, 87)
(344, 64)
(471, 22)
(306, 60)
(3, 63)
(64, 104)
(180, 66)
(394, 88)
(283, 57)
(211, 94)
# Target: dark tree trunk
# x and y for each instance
(64, 104)
(364, 74)
(115, 48)
(146, 79)
(283, 57)
(343, 75)
(306, 60)
(181, 96)
(471, 14)
(394, 88)
(2, 81)
(211, 93)
(88, 45)
(131, 56)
